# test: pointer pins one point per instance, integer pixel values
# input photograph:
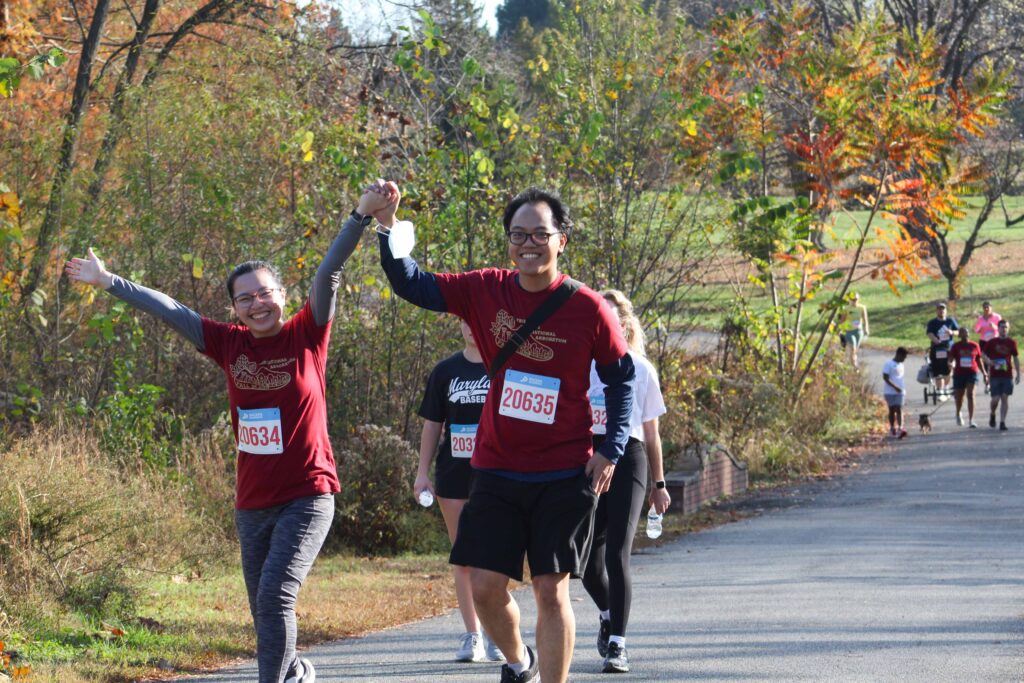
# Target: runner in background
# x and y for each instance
(276, 389)
(853, 323)
(1000, 353)
(451, 407)
(940, 331)
(607, 578)
(969, 366)
(537, 477)
(987, 324)
(895, 392)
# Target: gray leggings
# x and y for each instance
(279, 545)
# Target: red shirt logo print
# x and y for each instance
(259, 376)
(503, 327)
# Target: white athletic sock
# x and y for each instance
(523, 664)
(606, 614)
(621, 640)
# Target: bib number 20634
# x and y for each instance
(259, 431)
(533, 398)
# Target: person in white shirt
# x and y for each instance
(607, 577)
(895, 392)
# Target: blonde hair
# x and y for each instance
(632, 330)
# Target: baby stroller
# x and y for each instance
(931, 390)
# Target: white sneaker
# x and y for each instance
(974, 425)
(959, 420)
(471, 648)
(493, 651)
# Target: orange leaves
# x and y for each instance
(8, 666)
(902, 263)
(10, 205)
(113, 630)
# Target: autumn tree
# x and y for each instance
(975, 38)
(873, 130)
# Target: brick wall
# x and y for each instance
(719, 476)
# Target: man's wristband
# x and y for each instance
(660, 484)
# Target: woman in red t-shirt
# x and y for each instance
(967, 357)
(286, 474)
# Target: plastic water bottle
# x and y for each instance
(653, 523)
(427, 499)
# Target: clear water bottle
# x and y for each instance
(653, 523)
(426, 499)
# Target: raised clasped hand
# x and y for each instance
(381, 200)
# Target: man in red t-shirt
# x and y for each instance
(999, 353)
(966, 356)
(536, 477)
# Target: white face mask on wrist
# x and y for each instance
(401, 239)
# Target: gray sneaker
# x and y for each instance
(617, 662)
(304, 672)
(471, 649)
(492, 651)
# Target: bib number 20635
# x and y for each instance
(529, 397)
(259, 431)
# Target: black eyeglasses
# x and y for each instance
(540, 238)
(247, 300)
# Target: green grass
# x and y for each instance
(899, 320)
(189, 624)
(895, 320)
(995, 227)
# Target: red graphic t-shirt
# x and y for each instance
(967, 356)
(1000, 350)
(276, 390)
(537, 416)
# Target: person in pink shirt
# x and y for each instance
(987, 325)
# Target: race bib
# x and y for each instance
(966, 361)
(463, 440)
(987, 335)
(856, 324)
(941, 354)
(533, 398)
(259, 431)
(600, 413)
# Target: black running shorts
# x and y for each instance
(939, 366)
(550, 523)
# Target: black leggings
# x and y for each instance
(618, 512)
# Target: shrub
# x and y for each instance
(77, 531)
(746, 409)
(375, 511)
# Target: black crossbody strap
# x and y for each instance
(539, 315)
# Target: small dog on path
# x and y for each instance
(924, 421)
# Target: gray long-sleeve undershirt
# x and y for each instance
(189, 324)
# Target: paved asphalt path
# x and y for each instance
(910, 569)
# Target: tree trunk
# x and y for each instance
(68, 149)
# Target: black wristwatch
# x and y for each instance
(361, 219)
(659, 484)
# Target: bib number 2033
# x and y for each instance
(259, 431)
(533, 398)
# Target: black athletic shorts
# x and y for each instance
(550, 523)
(452, 477)
(939, 367)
